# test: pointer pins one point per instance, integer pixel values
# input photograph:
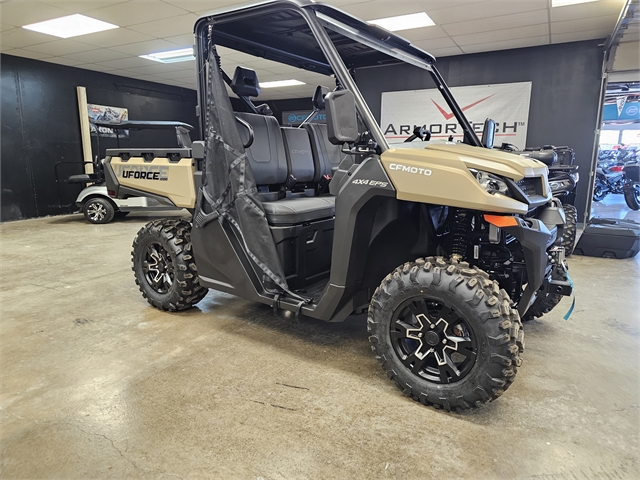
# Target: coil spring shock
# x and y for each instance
(460, 230)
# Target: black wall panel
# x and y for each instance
(40, 127)
(564, 96)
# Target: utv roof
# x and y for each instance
(277, 30)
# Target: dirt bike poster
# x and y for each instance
(102, 113)
(506, 103)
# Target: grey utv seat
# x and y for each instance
(325, 154)
(268, 159)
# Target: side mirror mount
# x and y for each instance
(488, 134)
(342, 124)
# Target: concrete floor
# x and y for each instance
(96, 383)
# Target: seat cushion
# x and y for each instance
(290, 211)
(325, 154)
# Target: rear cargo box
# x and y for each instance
(610, 238)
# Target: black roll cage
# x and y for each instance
(318, 18)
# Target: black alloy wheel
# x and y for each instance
(432, 340)
(98, 210)
(158, 268)
(164, 267)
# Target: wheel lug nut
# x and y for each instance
(444, 341)
(433, 326)
(420, 335)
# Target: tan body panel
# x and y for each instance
(173, 180)
(439, 174)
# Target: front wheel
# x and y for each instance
(570, 227)
(632, 197)
(445, 333)
(164, 267)
(599, 192)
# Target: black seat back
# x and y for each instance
(266, 154)
(299, 154)
(326, 155)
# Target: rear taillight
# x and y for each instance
(617, 168)
(112, 193)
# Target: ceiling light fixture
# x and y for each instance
(70, 26)
(171, 56)
(404, 22)
(564, 3)
(281, 83)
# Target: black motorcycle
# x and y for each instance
(618, 178)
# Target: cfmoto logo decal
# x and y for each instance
(143, 172)
(293, 117)
(410, 169)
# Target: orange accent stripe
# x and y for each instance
(501, 221)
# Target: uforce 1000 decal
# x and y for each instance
(143, 172)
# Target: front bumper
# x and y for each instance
(541, 254)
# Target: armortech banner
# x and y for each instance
(506, 103)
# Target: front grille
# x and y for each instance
(530, 186)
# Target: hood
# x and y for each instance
(494, 161)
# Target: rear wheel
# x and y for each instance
(632, 197)
(164, 267)
(569, 232)
(445, 333)
(98, 210)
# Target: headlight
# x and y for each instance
(490, 182)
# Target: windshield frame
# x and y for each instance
(319, 18)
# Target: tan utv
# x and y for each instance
(445, 247)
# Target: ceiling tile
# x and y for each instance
(98, 55)
(579, 36)
(6, 27)
(585, 24)
(130, 62)
(20, 38)
(76, 6)
(514, 34)
(185, 40)
(64, 61)
(453, 12)
(136, 11)
(114, 38)
(435, 44)
(376, 9)
(58, 48)
(179, 25)
(20, 13)
(203, 5)
(497, 23)
(445, 52)
(424, 33)
(18, 52)
(144, 48)
(506, 44)
(601, 8)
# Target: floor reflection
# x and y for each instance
(614, 206)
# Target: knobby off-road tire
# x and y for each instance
(460, 304)
(164, 267)
(98, 210)
(569, 232)
(543, 304)
(632, 197)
